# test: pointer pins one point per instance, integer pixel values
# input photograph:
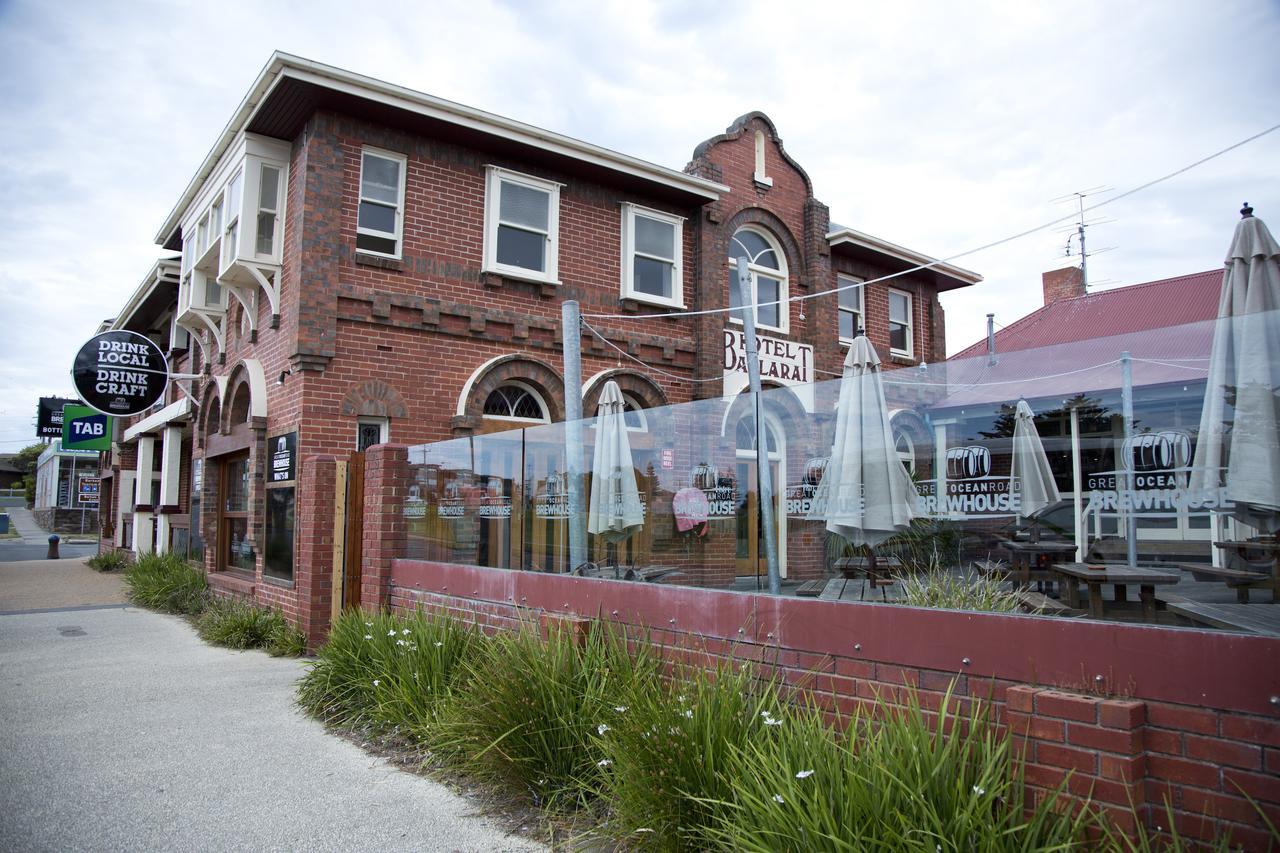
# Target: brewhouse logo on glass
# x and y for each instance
(1152, 478)
(720, 489)
(971, 487)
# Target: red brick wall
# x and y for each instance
(1180, 714)
(1065, 283)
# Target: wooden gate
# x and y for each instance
(353, 549)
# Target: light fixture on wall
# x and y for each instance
(283, 375)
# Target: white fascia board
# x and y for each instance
(163, 268)
(884, 247)
(286, 65)
(171, 412)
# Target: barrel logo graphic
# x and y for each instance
(968, 463)
(1157, 451)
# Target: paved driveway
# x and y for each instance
(120, 730)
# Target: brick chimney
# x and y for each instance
(1064, 283)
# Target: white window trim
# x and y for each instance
(400, 198)
(909, 352)
(629, 213)
(533, 392)
(383, 424)
(784, 294)
(843, 280)
(494, 177)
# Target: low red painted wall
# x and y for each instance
(1137, 714)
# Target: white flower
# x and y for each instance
(689, 714)
(368, 636)
(804, 774)
(401, 643)
(405, 632)
(777, 798)
(604, 762)
(770, 721)
(644, 829)
(681, 698)
(602, 728)
(979, 791)
(621, 709)
(376, 682)
(368, 624)
(391, 633)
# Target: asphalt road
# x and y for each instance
(120, 730)
(16, 550)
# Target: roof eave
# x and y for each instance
(286, 65)
(961, 276)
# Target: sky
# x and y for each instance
(937, 126)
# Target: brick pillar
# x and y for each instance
(1065, 283)
(1098, 742)
(143, 509)
(313, 562)
(386, 484)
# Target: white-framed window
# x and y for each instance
(905, 448)
(380, 216)
(521, 225)
(516, 401)
(231, 233)
(768, 281)
(852, 307)
(900, 331)
(633, 414)
(268, 221)
(371, 431)
(651, 244)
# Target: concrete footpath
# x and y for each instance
(121, 730)
(53, 584)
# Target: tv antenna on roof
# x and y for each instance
(1079, 197)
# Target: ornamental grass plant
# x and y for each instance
(107, 561)
(969, 590)
(534, 712)
(237, 624)
(168, 583)
(381, 671)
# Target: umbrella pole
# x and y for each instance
(763, 475)
(1126, 408)
(1076, 478)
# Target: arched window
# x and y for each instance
(633, 414)
(768, 283)
(906, 449)
(516, 401)
(239, 411)
(745, 436)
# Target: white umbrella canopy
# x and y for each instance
(1030, 471)
(866, 494)
(614, 510)
(1238, 448)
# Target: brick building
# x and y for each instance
(356, 263)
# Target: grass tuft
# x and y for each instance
(937, 587)
(168, 583)
(107, 561)
(237, 624)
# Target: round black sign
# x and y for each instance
(120, 373)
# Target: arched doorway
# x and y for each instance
(749, 543)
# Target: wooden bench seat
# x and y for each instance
(1249, 618)
(1236, 579)
(1037, 602)
(811, 589)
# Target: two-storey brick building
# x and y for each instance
(358, 263)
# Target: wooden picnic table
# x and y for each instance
(1023, 553)
(1233, 617)
(1269, 547)
(1095, 575)
(853, 567)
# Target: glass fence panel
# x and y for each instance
(674, 494)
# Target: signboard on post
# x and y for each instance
(87, 489)
(85, 429)
(120, 373)
(49, 416)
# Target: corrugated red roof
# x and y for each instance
(1109, 313)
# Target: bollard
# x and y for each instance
(53, 547)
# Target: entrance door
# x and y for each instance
(749, 549)
(235, 548)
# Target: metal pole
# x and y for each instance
(991, 339)
(763, 476)
(571, 324)
(1077, 484)
(1084, 255)
(1126, 410)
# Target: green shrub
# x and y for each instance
(107, 561)
(285, 641)
(936, 587)
(238, 624)
(535, 713)
(899, 782)
(671, 745)
(168, 583)
(384, 671)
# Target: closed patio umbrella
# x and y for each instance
(866, 494)
(1030, 473)
(1238, 448)
(613, 511)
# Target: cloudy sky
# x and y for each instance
(938, 126)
